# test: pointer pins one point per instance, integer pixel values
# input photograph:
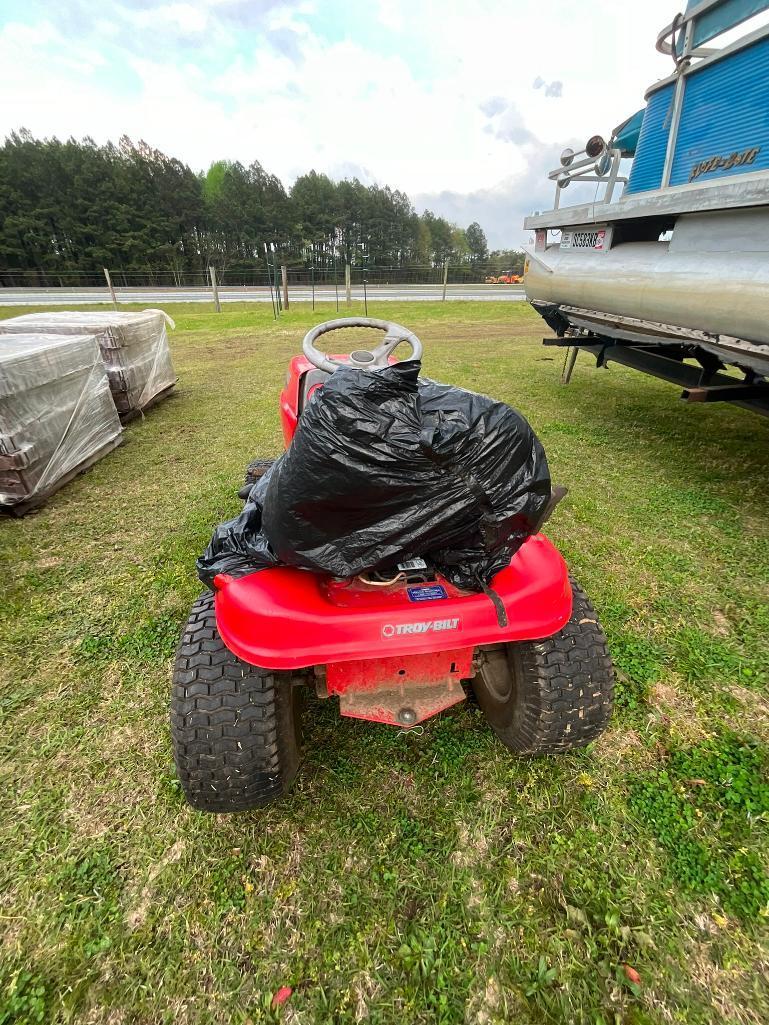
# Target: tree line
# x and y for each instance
(70, 208)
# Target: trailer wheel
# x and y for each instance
(549, 696)
(235, 728)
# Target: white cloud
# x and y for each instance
(430, 96)
(391, 14)
(509, 125)
(554, 88)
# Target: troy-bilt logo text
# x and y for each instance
(423, 627)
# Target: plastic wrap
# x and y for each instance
(56, 413)
(385, 467)
(134, 348)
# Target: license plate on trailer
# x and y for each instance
(583, 239)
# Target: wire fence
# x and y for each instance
(460, 274)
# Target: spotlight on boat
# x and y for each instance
(603, 163)
(562, 180)
(595, 146)
(566, 157)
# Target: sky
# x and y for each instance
(464, 105)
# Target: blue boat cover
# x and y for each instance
(625, 136)
(646, 172)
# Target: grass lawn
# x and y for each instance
(410, 877)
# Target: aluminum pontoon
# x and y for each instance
(672, 277)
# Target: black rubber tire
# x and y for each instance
(235, 728)
(255, 469)
(549, 696)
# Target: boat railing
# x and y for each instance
(702, 22)
(675, 40)
(597, 162)
(684, 39)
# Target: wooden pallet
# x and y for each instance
(133, 414)
(30, 504)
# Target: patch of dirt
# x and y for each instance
(364, 990)
(721, 625)
(678, 711)
(136, 918)
(471, 848)
(293, 1017)
(284, 924)
(656, 1003)
(618, 745)
(232, 345)
(402, 784)
(705, 924)
(483, 1006)
(476, 899)
(104, 1016)
(94, 808)
(665, 695)
(728, 989)
(11, 933)
(757, 706)
(49, 562)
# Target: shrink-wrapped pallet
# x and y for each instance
(134, 348)
(57, 416)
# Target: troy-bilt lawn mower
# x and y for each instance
(407, 635)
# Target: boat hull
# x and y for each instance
(712, 275)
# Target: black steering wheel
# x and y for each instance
(363, 359)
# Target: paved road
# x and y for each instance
(260, 294)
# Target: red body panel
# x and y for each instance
(371, 673)
(383, 689)
(285, 618)
(289, 397)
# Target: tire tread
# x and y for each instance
(564, 686)
(233, 725)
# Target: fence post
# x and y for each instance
(284, 276)
(109, 286)
(347, 286)
(445, 277)
(275, 277)
(215, 288)
(269, 282)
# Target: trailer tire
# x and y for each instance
(549, 696)
(235, 727)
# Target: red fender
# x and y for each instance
(288, 618)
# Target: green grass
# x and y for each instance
(410, 877)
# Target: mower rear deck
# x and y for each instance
(289, 618)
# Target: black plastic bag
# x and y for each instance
(383, 467)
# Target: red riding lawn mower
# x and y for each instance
(394, 647)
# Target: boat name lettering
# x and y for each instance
(721, 163)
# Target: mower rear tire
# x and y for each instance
(235, 728)
(549, 696)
